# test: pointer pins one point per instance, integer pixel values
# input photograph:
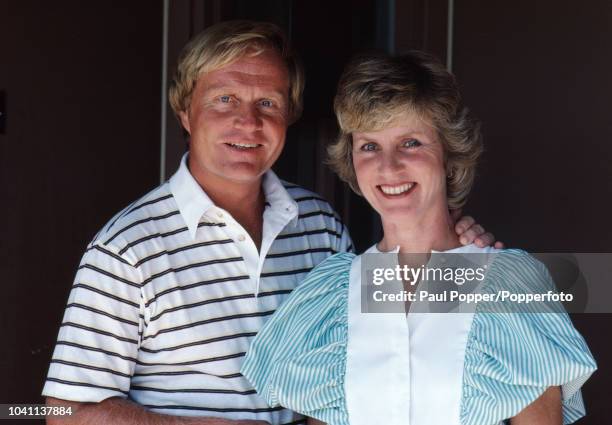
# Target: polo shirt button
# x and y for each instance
(220, 214)
(241, 238)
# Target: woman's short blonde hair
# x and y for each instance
(226, 42)
(376, 88)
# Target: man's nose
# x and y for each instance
(248, 118)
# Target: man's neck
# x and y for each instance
(244, 201)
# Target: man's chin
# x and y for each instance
(243, 173)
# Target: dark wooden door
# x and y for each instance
(538, 76)
(81, 141)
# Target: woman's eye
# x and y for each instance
(368, 147)
(267, 103)
(411, 143)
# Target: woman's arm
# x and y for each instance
(546, 410)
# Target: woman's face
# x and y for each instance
(400, 169)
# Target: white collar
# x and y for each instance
(463, 249)
(281, 202)
(374, 250)
(193, 202)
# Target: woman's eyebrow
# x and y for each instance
(362, 138)
(412, 132)
(415, 133)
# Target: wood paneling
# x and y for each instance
(82, 141)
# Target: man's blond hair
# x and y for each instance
(226, 42)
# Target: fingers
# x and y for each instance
(473, 233)
(485, 239)
(499, 245)
(470, 232)
(464, 224)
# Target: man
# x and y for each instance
(170, 292)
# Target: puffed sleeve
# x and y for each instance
(516, 351)
(298, 358)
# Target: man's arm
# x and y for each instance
(118, 411)
(546, 410)
(101, 329)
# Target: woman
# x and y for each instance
(410, 148)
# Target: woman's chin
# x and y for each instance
(398, 213)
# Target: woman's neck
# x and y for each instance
(433, 231)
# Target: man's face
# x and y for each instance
(237, 120)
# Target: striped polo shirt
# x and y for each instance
(170, 293)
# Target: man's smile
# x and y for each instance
(243, 146)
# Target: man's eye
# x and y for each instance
(266, 103)
(411, 143)
(369, 147)
(225, 99)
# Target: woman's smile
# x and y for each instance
(396, 191)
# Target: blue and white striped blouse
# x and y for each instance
(319, 356)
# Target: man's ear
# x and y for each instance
(184, 117)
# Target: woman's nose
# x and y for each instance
(389, 162)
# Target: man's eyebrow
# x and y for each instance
(217, 87)
(281, 95)
(225, 86)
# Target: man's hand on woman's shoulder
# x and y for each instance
(471, 232)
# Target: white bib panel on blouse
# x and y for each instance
(404, 370)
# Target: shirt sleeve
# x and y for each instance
(517, 350)
(99, 336)
(298, 358)
(345, 243)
